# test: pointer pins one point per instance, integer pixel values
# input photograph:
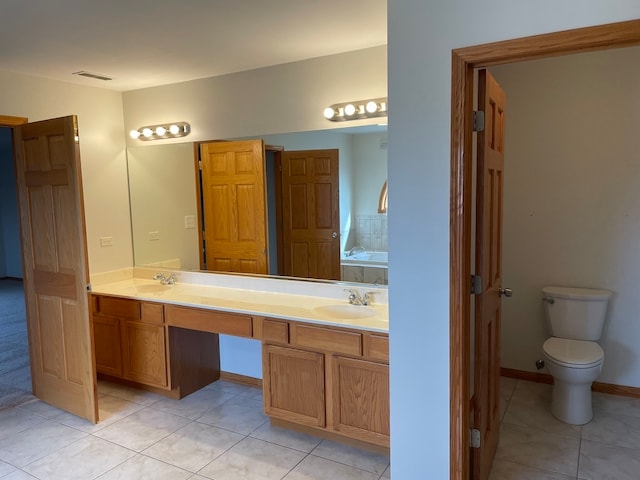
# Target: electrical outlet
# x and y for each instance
(106, 241)
(190, 221)
(155, 235)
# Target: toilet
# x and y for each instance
(574, 359)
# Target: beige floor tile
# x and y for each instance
(538, 449)
(253, 459)
(353, 457)
(195, 405)
(193, 446)
(504, 470)
(128, 393)
(607, 462)
(34, 443)
(613, 429)
(286, 438)
(111, 409)
(241, 414)
(316, 468)
(15, 420)
(142, 429)
(19, 475)
(617, 404)
(142, 467)
(538, 415)
(38, 407)
(386, 474)
(6, 469)
(236, 388)
(85, 459)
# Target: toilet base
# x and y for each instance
(571, 402)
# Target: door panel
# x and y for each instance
(55, 265)
(234, 206)
(311, 214)
(490, 157)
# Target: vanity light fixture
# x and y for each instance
(339, 112)
(158, 132)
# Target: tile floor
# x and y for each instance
(216, 433)
(535, 446)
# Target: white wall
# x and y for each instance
(422, 34)
(571, 201)
(370, 171)
(280, 99)
(102, 152)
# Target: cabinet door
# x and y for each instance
(293, 382)
(106, 338)
(144, 353)
(360, 404)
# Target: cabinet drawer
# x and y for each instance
(275, 331)
(338, 341)
(376, 347)
(209, 321)
(117, 307)
(152, 312)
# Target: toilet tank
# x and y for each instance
(576, 313)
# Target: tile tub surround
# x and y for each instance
(270, 297)
(229, 438)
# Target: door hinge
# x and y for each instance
(478, 121)
(476, 284)
(474, 438)
(199, 164)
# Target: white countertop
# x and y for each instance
(326, 310)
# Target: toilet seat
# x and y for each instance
(573, 353)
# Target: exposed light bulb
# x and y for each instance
(174, 129)
(349, 109)
(371, 107)
(147, 132)
(161, 131)
(329, 113)
(134, 134)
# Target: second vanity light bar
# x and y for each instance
(158, 132)
(339, 112)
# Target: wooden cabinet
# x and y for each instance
(360, 407)
(106, 333)
(130, 340)
(331, 379)
(295, 387)
(144, 353)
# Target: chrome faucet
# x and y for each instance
(170, 280)
(355, 298)
(355, 249)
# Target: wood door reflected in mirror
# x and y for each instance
(165, 198)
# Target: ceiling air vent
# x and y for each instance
(97, 76)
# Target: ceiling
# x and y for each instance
(145, 43)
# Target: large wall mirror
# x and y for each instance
(165, 201)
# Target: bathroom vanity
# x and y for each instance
(325, 363)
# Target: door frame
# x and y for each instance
(463, 63)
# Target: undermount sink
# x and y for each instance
(346, 311)
(149, 288)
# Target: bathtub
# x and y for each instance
(367, 259)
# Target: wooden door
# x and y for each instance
(490, 181)
(234, 206)
(55, 265)
(311, 214)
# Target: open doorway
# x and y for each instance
(464, 61)
(15, 372)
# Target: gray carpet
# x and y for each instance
(15, 375)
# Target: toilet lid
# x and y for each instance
(577, 353)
